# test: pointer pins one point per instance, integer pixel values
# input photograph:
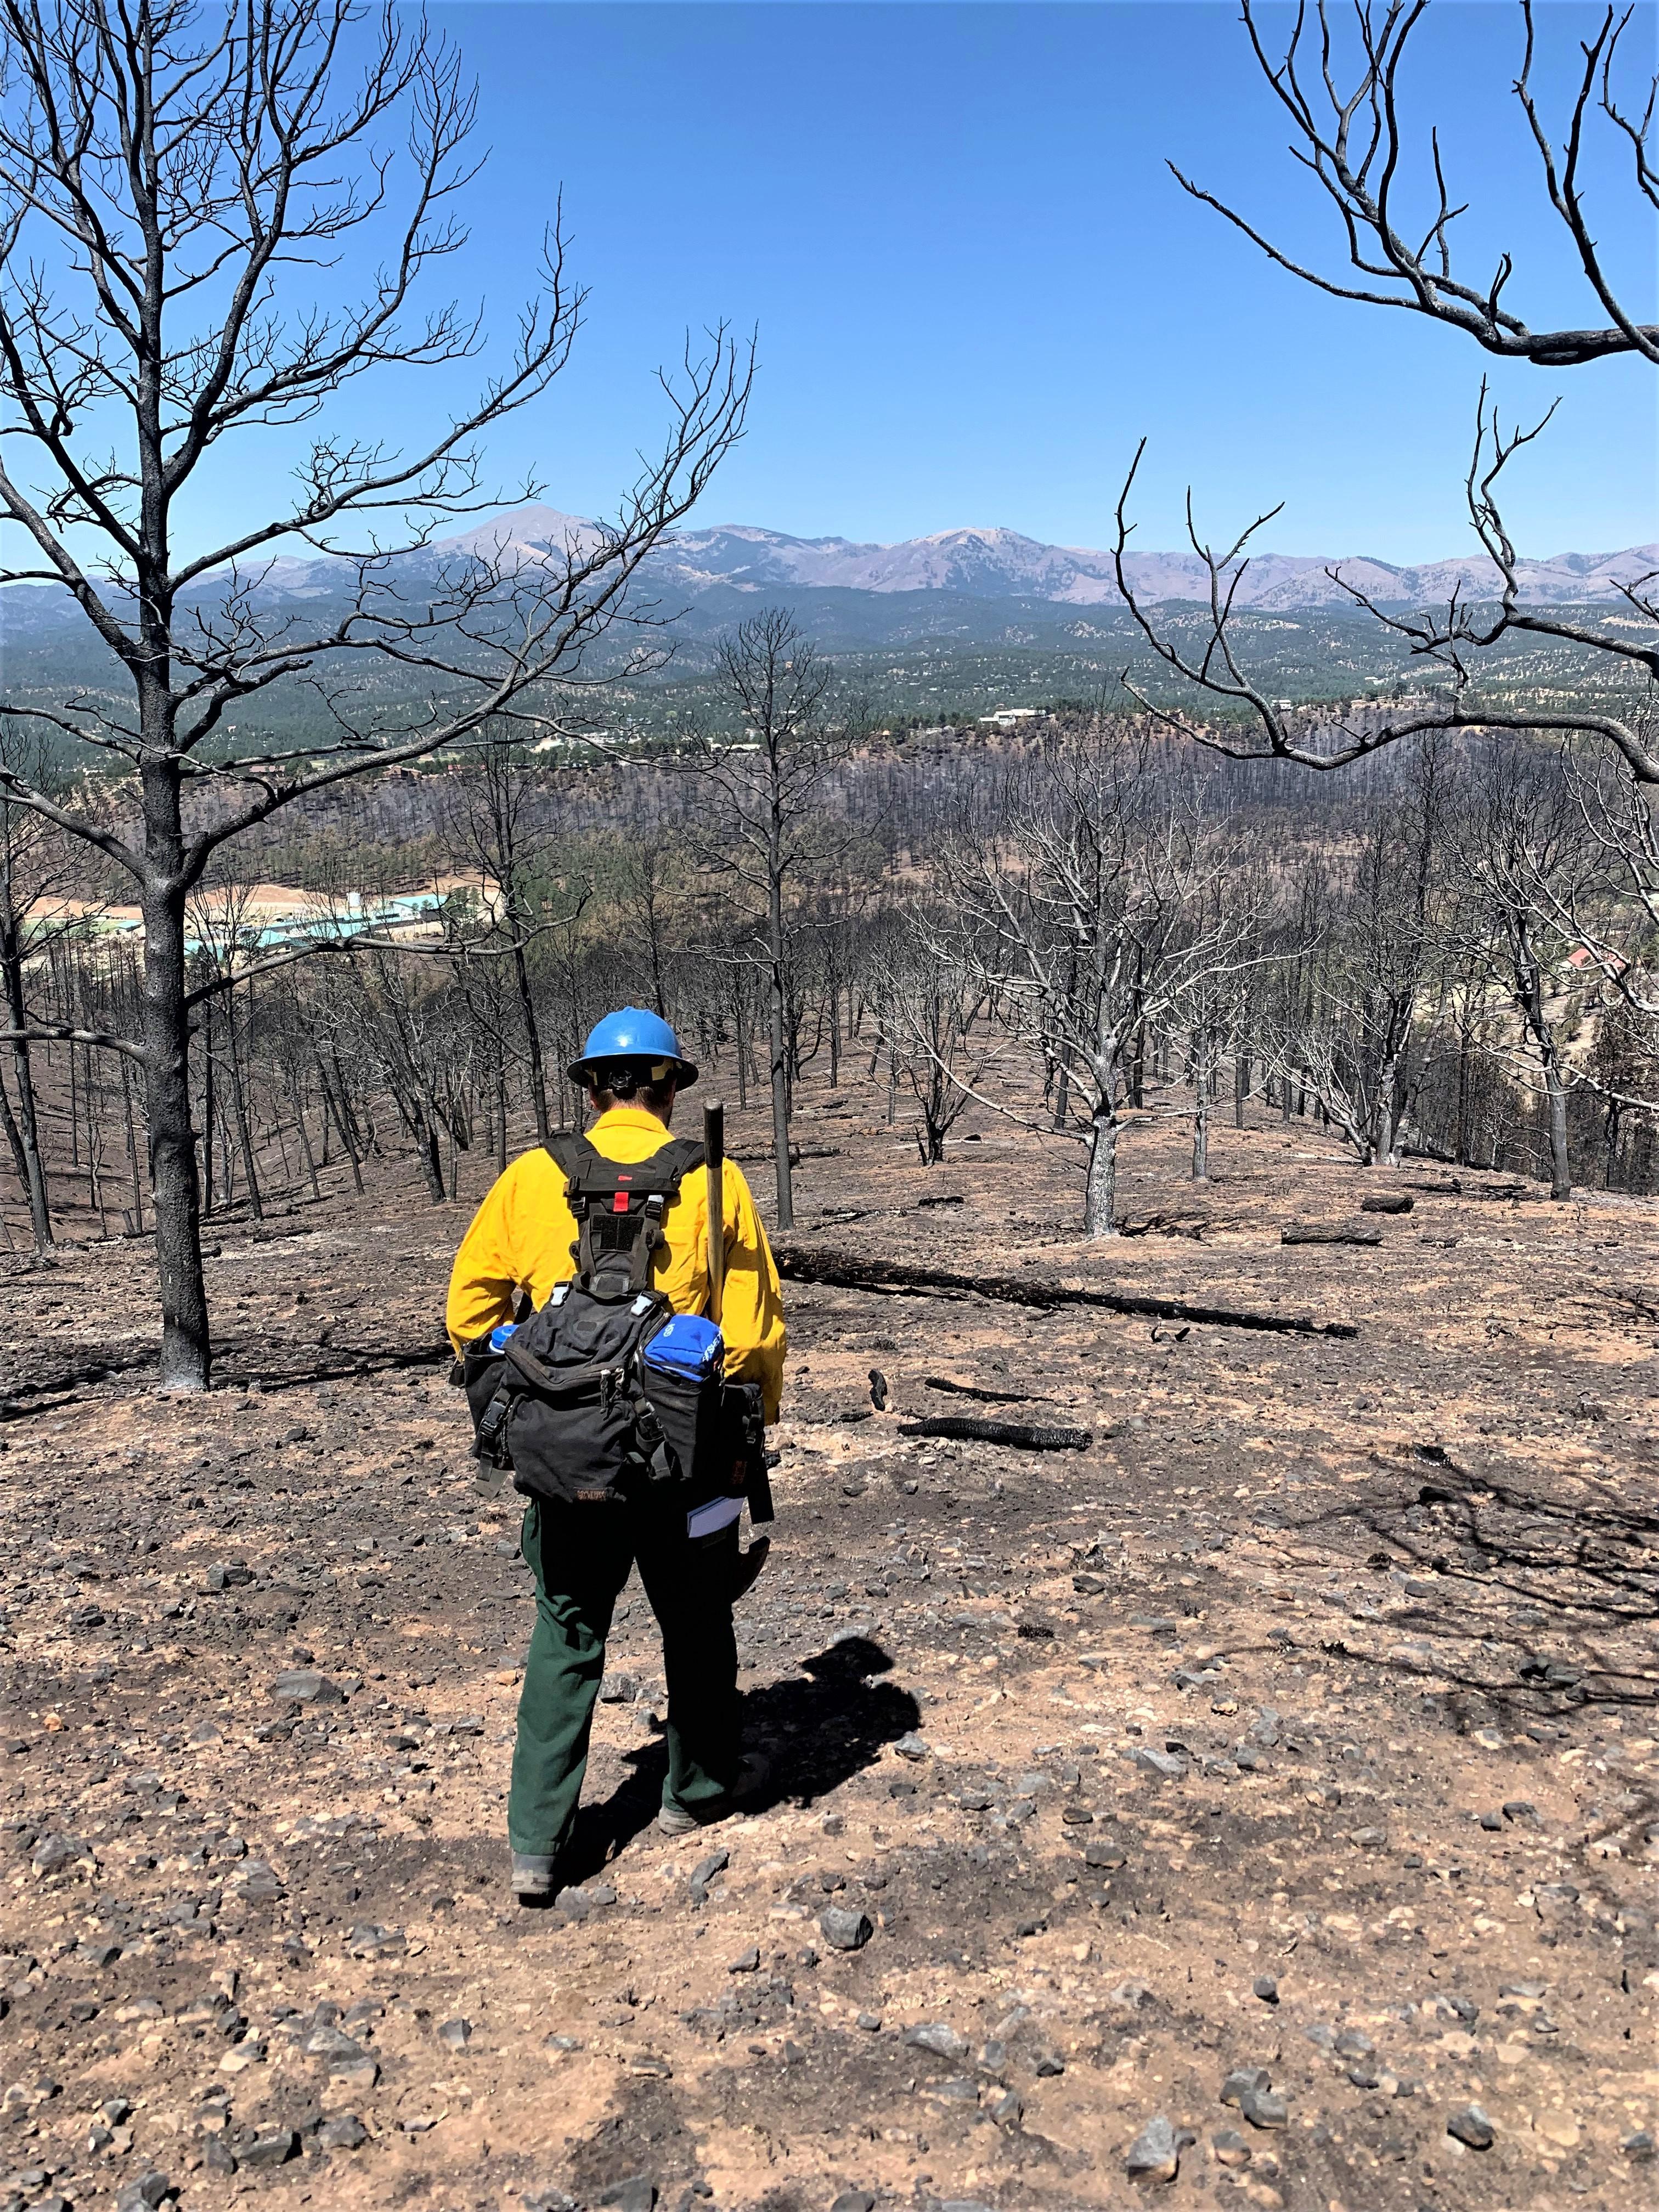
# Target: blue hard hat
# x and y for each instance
(633, 1034)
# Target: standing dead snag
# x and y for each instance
(1525, 862)
(163, 169)
(1107, 896)
(767, 782)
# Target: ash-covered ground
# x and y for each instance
(1255, 1808)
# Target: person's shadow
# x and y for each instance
(817, 1729)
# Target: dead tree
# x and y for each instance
(931, 1009)
(1092, 907)
(172, 177)
(765, 786)
(1523, 861)
(1342, 81)
(1358, 1001)
(37, 876)
(491, 829)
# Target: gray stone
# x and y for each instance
(958, 2090)
(455, 2034)
(855, 2200)
(327, 2041)
(254, 1883)
(1154, 2154)
(746, 1961)
(1167, 1766)
(233, 1574)
(637, 2194)
(1008, 2110)
(1352, 2044)
(1230, 2148)
(911, 1746)
(270, 2147)
(1241, 2080)
(53, 1853)
(369, 1939)
(304, 1685)
(1638, 2146)
(940, 2037)
(1471, 2127)
(1264, 2108)
(704, 1871)
(1265, 1987)
(844, 1930)
(344, 2131)
(145, 2193)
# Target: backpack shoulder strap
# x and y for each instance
(660, 1177)
(674, 1161)
(568, 1150)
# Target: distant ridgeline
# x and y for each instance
(952, 627)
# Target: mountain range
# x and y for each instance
(1002, 564)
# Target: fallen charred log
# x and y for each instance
(1017, 1433)
(850, 1271)
(972, 1391)
(1317, 1232)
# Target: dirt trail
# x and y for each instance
(1300, 1731)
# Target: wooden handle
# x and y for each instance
(714, 1149)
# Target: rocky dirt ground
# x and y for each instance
(1256, 1808)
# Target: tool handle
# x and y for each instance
(714, 1150)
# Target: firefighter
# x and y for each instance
(632, 1070)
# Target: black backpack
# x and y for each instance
(567, 1403)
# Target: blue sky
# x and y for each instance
(977, 285)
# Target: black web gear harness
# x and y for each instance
(618, 1207)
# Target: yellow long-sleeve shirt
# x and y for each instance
(523, 1232)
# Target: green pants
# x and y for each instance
(579, 1556)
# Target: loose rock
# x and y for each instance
(845, 1930)
(1154, 2154)
(1472, 2126)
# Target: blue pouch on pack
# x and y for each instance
(683, 1371)
(689, 1345)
